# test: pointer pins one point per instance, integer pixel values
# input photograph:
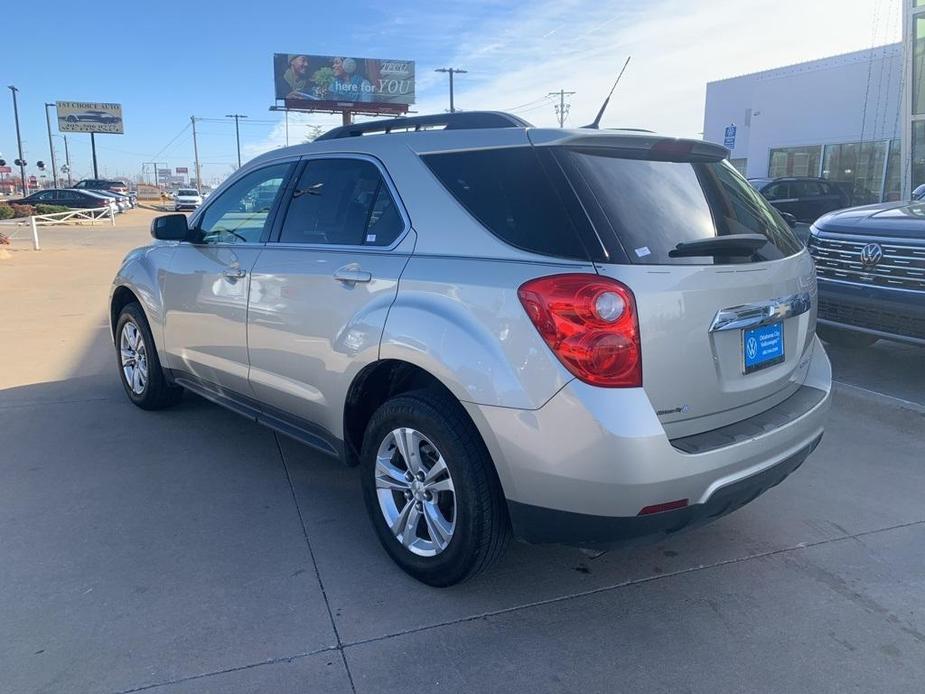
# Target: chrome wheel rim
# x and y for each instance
(416, 492)
(134, 358)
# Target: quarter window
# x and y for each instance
(241, 214)
(342, 202)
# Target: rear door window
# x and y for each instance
(777, 191)
(644, 209)
(510, 193)
(806, 189)
(341, 202)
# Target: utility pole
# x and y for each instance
(451, 71)
(51, 146)
(237, 133)
(196, 154)
(93, 147)
(22, 163)
(562, 108)
(67, 160)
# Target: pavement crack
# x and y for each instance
(237, 668)
(311, 553)
(629, 583)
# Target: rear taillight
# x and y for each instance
(590, 323)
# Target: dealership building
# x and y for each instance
(837, 118)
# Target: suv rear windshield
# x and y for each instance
(594, 204)
(187, 192)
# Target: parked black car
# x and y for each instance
(805, 198)
(67, 197)
(870, 265)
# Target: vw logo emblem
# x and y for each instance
(751, 347)
(871, 254)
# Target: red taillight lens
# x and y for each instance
(590, 324)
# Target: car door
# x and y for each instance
(321, 290)
(778, 194)
(809, 200)
(206, 283)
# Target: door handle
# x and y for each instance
(234, 274)
(351, 274)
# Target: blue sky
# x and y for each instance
(168, 60)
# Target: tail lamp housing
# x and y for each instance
(591, 325)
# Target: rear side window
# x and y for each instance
(341, 202)
(646, 208)
(509, 193)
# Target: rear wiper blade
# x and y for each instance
(732, 245)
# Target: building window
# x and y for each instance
(892, 187)
(918, 66)
(795, 161)
(742, 164)
(918, 153)
(859, 167)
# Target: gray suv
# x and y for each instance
(568, 336)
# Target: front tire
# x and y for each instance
(431, 491)
(139, 366)
(845, 338)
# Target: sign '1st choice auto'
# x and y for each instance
(89, 117)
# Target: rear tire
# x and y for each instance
(845, 338)
(448, 535)
(139, 366)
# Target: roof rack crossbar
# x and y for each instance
(464, 120)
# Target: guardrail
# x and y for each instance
(92, 216)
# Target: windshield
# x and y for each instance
(188, 193)
(643, 209)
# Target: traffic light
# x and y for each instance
(40, 164)
(2, 162)
(20, 162)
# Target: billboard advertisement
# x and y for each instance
(337, 83)
(89, 117)
(182, 169)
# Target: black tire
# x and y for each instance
(156, 393)
(482, 527)
(845, 338)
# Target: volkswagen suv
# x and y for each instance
(501, 325)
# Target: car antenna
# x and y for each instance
(597, 121)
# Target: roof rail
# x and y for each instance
(463, 120)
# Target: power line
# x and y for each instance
(176, 137)
(451, 71)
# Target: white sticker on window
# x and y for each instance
(643, 252)
(370, 238)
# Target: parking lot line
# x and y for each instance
(902, 402)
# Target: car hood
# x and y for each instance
(894, 219)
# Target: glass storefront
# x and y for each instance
(868, 172)
(795, 161)
(858, 166)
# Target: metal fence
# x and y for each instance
(92, 216)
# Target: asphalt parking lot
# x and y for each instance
(190, 550)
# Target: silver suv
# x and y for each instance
(568, 336)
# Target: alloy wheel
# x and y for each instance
(134, 357)
(415, 492)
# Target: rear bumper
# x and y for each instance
(542, 525)
(580, 469)
(893, 314)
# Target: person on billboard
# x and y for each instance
(348, 84)
(295, 82)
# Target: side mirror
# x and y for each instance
(790, 219)
(170, 227)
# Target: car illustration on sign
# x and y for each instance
(93, 117)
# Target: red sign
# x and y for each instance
(6, 169)
(33, 179)
(182, 169)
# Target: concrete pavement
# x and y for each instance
(193, 551)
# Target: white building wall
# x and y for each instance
(848, 98)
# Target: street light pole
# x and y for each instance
(451, 71)
(22, 163)
(51, 146)
(237, 133)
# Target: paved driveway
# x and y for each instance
(193, 551)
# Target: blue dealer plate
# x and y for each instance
(763, 346)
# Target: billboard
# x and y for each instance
(182, 170)
(338, 83)
(89, 117)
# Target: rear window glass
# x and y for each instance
(644, 209)
(508, 191)
(187, 192)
